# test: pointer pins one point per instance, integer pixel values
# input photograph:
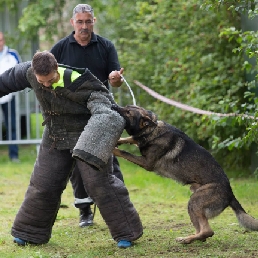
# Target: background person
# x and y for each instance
(9, 58)
(73, 106)
(85, 49)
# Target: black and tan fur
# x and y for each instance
(171, 153)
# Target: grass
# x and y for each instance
(161, 203)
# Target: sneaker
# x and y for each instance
(19, 241)
(124, 244)
(15, 160)
(86, 217)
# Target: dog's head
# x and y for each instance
(137, 118)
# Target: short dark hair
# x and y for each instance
(44, 63)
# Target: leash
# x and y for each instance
(127, 84)
(187, 107)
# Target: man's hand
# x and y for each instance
(115, 78)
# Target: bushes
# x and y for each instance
(183, 52)
(176, 50)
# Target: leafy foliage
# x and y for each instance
(184, 55)
(191, 51)
(41, 14)
(247, 40)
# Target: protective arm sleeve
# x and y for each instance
(100, 135)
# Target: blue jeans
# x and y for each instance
(13, 148)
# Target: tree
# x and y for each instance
(179, 50)
(190, 51)
(247, 47)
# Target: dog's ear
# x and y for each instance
(152, 116)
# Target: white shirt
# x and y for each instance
(8, 59)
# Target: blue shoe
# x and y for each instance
(19, 241)
(124, 244)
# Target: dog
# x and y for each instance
(169, 152)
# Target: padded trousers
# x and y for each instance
(37, 214)
(78, 186)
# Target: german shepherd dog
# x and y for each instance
(171, 153)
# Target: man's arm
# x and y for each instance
(14, 79)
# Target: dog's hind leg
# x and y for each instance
(201, 224)
(206, 202)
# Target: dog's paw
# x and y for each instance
(127, 140)
(119, 143)
(189, 239)
(122, 141)
(183, 240)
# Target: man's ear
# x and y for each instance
(72, 21)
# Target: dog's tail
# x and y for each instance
(245, 220)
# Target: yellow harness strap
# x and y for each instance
(61, 71)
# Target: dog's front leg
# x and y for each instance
(138, 160)
(127, 140)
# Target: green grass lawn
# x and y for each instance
(161, 203)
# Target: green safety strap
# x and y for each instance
(66, 77)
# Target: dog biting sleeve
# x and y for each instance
(100, 135)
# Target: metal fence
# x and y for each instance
(28, 116)
(28, 120)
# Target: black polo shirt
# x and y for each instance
(99, 56)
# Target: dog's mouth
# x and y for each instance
(120, 111)
(114, 107)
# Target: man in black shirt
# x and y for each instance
(85, 49)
